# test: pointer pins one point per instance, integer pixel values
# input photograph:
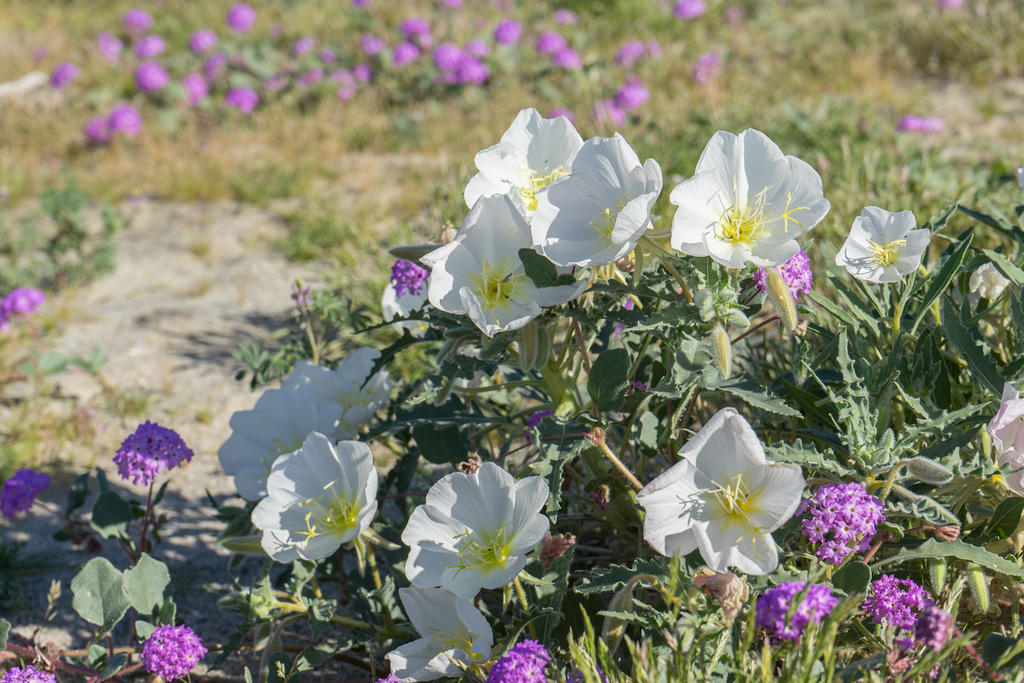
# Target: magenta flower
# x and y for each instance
(796, 273)
(372, 44)
(607, 113)
(29, 674)
(97, 130)
(566, 17)
(242, 99)
(524, 663)
(348, 88)
(124, 119)
(241, 17)
(172, 651)
(215, 66)
(508, 32)
(136, 21)
(148, 451)
(414, 28)
(707, 67)
(896, 602)
(20, 491)
(947, 5)
(314, 75)
(327, 56)
(202, 41)
(64, 73)
(404, 53)
(842, 518)
(149, 46)
(774, 604)
(196, 88)
(630, 53)
(447, 56)
(471, 71)
(632, 95)
(549, 42)
(22, 301)
(110, 47)
(360, 3)
(408, 277)
(933, 628)
(690, 9)
(921, 124)
(567, 58)
(150, 76)
(302, 46)
(362, 72)
(477, 48)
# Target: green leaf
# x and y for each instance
(111, 515)
(961, 338)
(440, 445)
(938, 280)
(752, 394)
(852, 578)
(5, 629)
(615, 576)
(541, 271)
(115, 664)
(144, 629)
(98, 593)
(146, 584)
(932, 549)
(608, 379)
(78, 492)
(51, 362)
(1006, 517)
(551, 597)
(1006, 267)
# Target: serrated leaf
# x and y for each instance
(799, 454)
(932, 549)
(1006, 517)
(615, 576)
(961, 338)
(753, 395)
(98, 593)
(552, 596)
(5, 630)
(608, 379)
(1006, 266)
(146, 584)
(938, 280)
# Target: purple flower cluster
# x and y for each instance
(172, 651)
(124, 119)
(407, 277)
(64, 73)
(241, 17)
(148, 451)
(458, 65)
(773, 606)
(136, 21)
(933, 627)
(608, 113)
(27, 675)
(508, 32)
(912, 123)
(690, 9)
(20, 491)
(630, 53)
(243, 99)
(392, 678)
(632, 95)
(796, 273)
(149, 46)
(110, 47)
(524, 663)
(707, 67)
(196, 88)
(20, 301)
(843, 518)
(150, 76)
(897, 602)
(536, 418)
(202, 41)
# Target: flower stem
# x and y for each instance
(597, 436)
(521, 594)
(145, 524)
(663, 257)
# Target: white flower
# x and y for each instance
(278, 424)
(746, 202)
(883, 246)
(479, 273)
(987, 282)
(318, 498)
(533, 152)
(1020, 176)
(596, 215)
(475, 530)
(455, 635)
(1007, 432)
(348, 387)
(723, 498)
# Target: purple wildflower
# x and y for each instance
(372, 44)
(404, 53)
(630, 53)
(477, 48)
(415, 28)
(302, 46)
(241, 17)
(202, 41)
(243, 99)
(63, 74)
(314, 75)
(566, 17)
(470, 70)
(947, 5)
(327, 56)
(97, 130)
(933, 627)
(921, 124)
(773, 606)
(568, 58)
(536, 418)
(580, 677)
(447, 56)
(360, 3)
(508, 32)
(607, 113)
(20, 491)
(654, 48)
(124, 119)
(149, 46)
(22, 300)
(708, 66)
(843, 518)
(797, 274)
(29, 674)
(110, 47)
(897, 602)
(362, 72)
(452, 4)
(689, 9)
(172, 651)
(136, 21)
(392, 678)
(562, 111)
(275, 83)
(632, 95)
(150, 76)
(549, 42)
(407, 277)
(196, 88)
(148, 451)
(215, 66)
(524, 663)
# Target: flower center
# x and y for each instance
(336, 517)
(536, 182)
(485, 552)
(733, 500)
(497, 287)
(461, 639)
(886, 254)
(746, 224)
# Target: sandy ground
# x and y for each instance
(190, 282)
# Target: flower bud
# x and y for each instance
(534, 346)
(979, 588)
(721, 347)
(781, 297)
(554, 546)
(729, 590)
(947, 533)
(937, 575)
(927, 470)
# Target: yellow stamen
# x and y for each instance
(485, 552)
(536, 182)
(887, 254)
